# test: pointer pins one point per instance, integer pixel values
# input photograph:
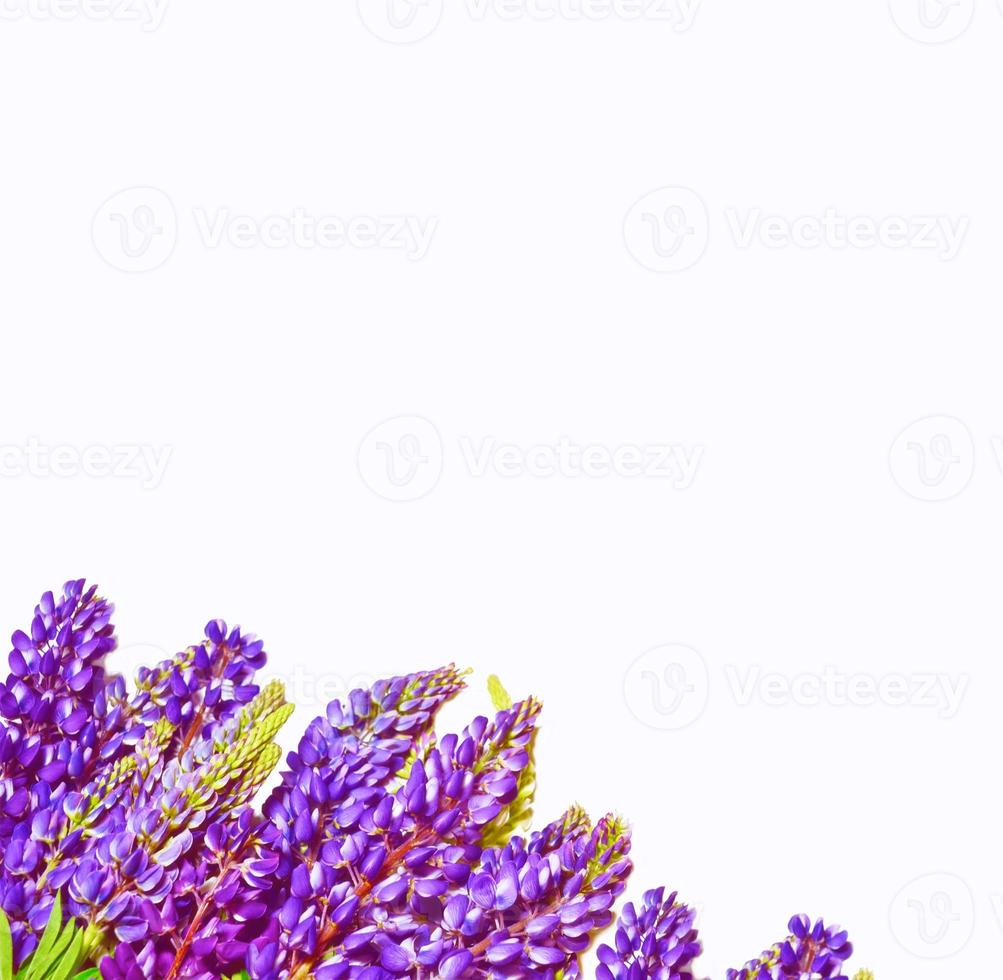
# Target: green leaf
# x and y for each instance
(42, 966)
(500, 698)
(6, 948)
(70, 960)
(59, 954)
(52, 930)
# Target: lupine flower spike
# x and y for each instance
(657, 941)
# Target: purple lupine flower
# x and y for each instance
(811, 951)
(336, 804)
(53, 706)
(203, 685)
(546, 906)
(658, 941)
(129, 964)
(48, 700)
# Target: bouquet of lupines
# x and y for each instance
(132, 849)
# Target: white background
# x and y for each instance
(809, 536)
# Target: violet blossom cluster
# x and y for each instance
(383, 850)
(659, 940)
(810, 951)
